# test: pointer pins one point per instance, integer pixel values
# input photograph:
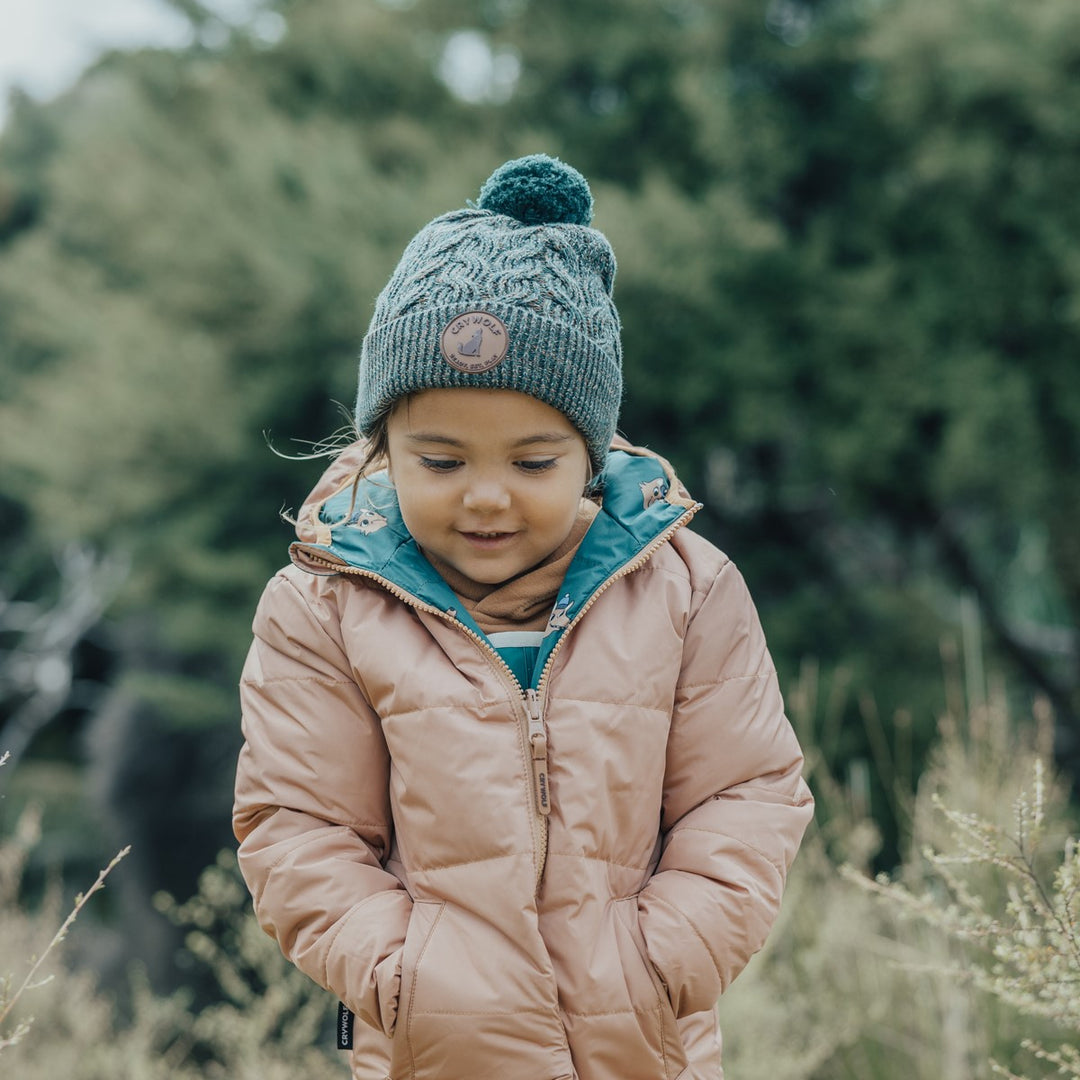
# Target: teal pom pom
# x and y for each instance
(538, 190)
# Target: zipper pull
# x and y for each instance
(538, 746)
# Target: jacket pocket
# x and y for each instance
(473, 1002)
(423, 919)
(670, 1041)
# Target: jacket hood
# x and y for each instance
(352, 524)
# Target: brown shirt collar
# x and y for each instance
(524, 602)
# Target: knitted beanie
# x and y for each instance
(511, 294)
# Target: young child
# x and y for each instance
(517, 783)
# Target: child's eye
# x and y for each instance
(439, 464)
(536, 466)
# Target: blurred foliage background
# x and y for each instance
(849, 277)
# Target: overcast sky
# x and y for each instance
(44, 44)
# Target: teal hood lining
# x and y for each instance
(641, 501)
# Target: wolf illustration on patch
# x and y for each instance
(560, 618)
(367, 521)
(654, 491)
(472, 346)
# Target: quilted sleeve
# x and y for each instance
(735, 805)
(312, 811)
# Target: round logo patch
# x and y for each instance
(474, 342)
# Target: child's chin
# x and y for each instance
(490, 575)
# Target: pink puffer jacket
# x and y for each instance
(508, 883)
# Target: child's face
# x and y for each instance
(489, 481)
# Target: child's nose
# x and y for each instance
(487, 494)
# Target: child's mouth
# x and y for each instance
(488, 539)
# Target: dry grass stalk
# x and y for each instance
(8, 998)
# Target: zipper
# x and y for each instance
(536, 729)
(538, 748)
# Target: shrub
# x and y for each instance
(1007, 895)
(850, 986)
(268, 1021)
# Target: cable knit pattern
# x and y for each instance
(550, 283)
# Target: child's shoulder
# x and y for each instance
(698, 557)
(323, 599)
(716, 584)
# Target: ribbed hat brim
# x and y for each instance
(545, 358)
